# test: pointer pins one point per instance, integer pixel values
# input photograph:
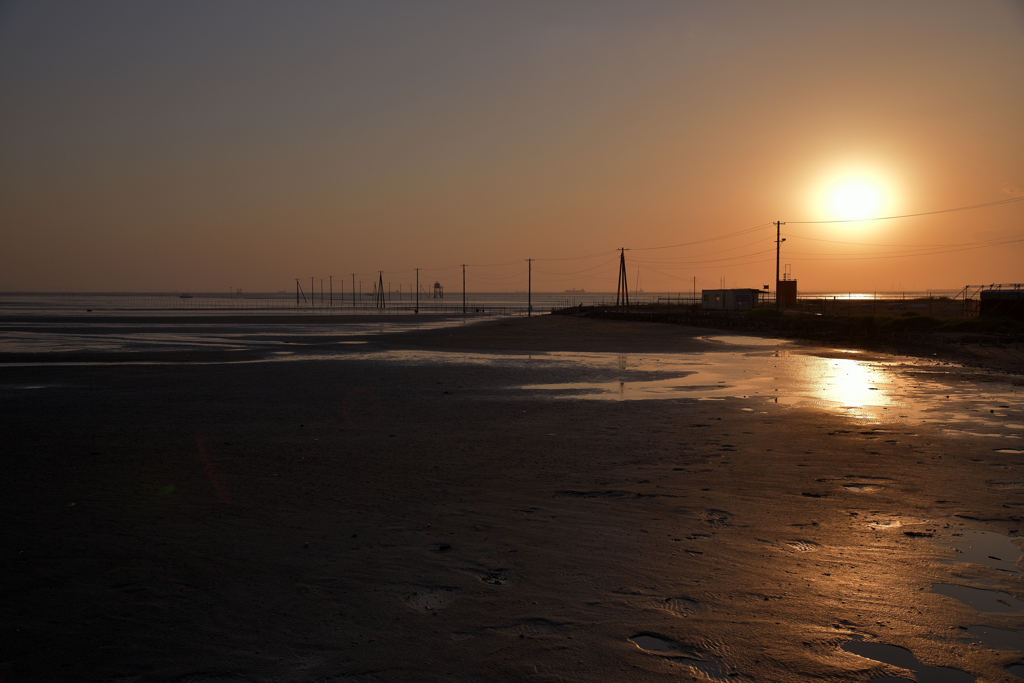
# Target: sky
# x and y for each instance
(203, 146)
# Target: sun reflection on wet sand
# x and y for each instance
(872, 390)
(850, 384)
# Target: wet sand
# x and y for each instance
(345, 516)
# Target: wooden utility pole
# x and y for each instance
(463, 289)
(332, 289)
(529, 287)
(312, 294)
(778, 250)
(417, 309)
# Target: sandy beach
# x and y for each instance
(549, 499)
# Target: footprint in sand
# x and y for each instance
(718, 519)
(802, 546)
(680, 607)
(499, 577)
(430, 600)
(664, 647)
(530, 628)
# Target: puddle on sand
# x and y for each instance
(988, 548)
(998, 638)
(878, 391)
(981, 599)
(1016, 669)
(904, 659)
(740, 340)
(655, 644)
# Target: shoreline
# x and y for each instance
(565, 331)
(998, 353)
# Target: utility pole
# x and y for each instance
(296, 292)
(778, 250)
(529, 287)
(332, 289)
(622, 296)
(380, 289)
(417, 309)
(463, 289)
(312, 294)
(353, 290)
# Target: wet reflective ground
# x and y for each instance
(743, 511)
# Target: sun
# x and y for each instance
(855, 201)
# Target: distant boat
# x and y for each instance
(185, 296)
(575, 291)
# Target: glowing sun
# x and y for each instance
(855, 201)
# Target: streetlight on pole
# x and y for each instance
(778, 249)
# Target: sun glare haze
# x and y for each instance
(856, 201)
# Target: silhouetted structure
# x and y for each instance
(785, 292)
(438, 291)
(729, 299)
(622, 295)
(1005, 300)
(380, 290)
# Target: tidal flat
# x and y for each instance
(548, 498)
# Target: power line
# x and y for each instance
(577, 258)
(872, 244)
(912, 215)
(709, 239)
(906, 254)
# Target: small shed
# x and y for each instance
(730, 299)
(1008, 302)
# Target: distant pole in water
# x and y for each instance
(622, 296)
(529, 287)
(417, 309)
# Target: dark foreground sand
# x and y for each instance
(332, 520)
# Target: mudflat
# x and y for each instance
(476, 503)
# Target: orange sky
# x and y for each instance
(201, 146)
